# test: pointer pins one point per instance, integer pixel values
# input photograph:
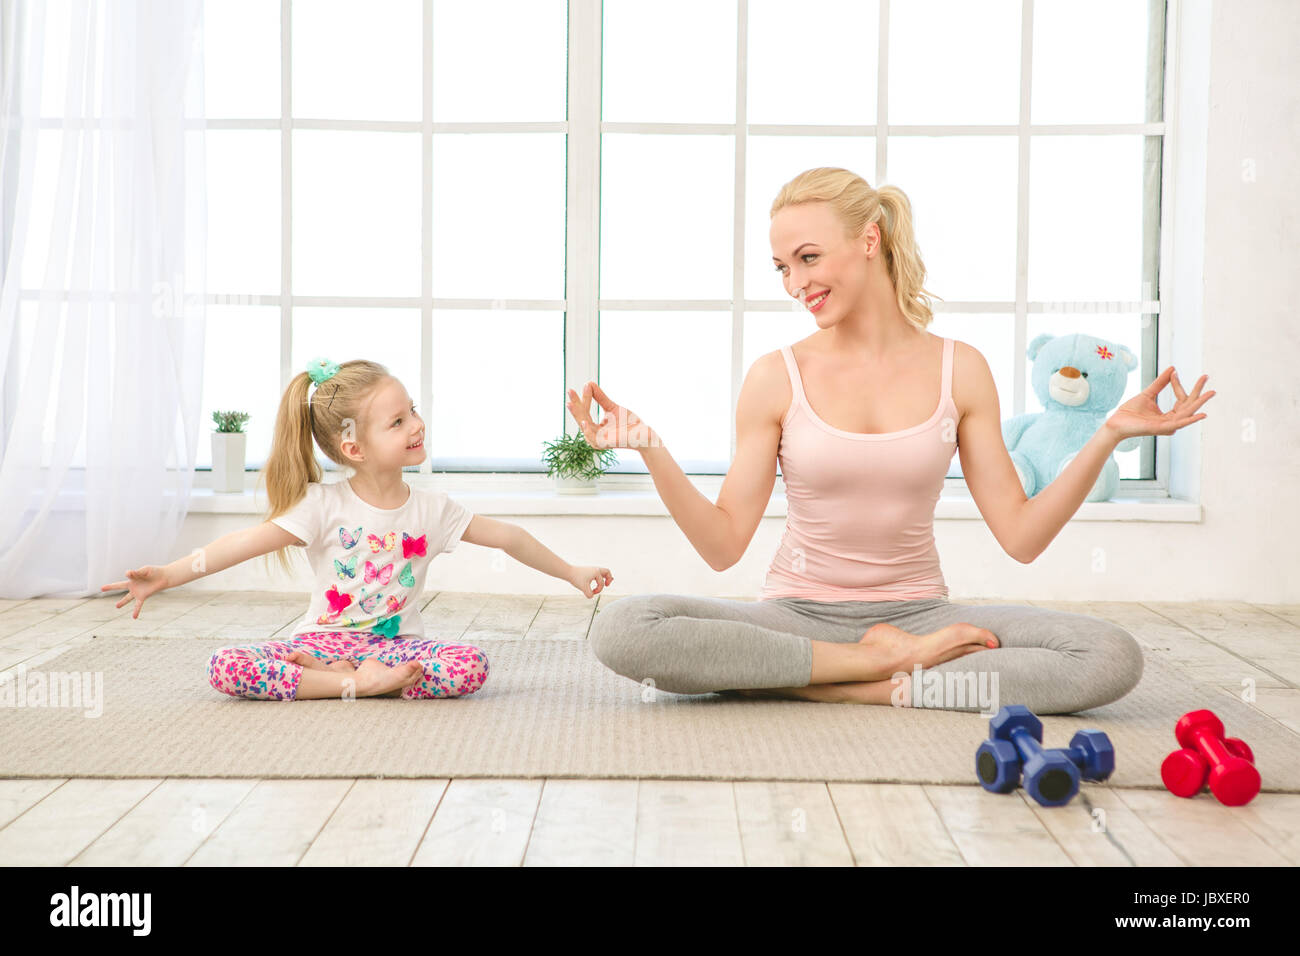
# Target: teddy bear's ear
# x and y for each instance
(1038, 343)
(1127, 357)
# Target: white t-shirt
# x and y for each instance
(369, 562)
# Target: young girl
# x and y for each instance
(369, 539)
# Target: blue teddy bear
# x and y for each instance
(1078, 379)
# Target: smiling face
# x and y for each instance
(815, 256)
(392, 427)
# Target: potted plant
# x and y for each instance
(228, 445)
(576, 465)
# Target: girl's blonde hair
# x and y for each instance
(333, 409)
(857, 205)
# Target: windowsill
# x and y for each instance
(635, 495)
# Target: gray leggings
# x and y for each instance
(1050, 661)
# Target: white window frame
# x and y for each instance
(1155, 334)
(582, 305)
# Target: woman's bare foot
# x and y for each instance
(895, 692)
(895, 650)
(823, 693)
(377, 679)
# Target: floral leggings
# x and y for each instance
(262, 672)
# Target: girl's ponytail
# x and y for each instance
(292, 463)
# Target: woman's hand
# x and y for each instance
(141, 582)
(581, 578)
(1141, 415)
(620, 427)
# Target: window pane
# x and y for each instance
(993, 335)
(1085, 218)
(953, 61)
(500, 61)
(1120, 328)
(54, 61)
(49, 145)
(770, 163)
(241, 59)
(1070, 40)
(666, 216)
(812, 62)
(241, 372)
(388, 336)
(243, 211)
(669, 61)
(356, 213)
(47, 323)
(357, 62)
(963, 195)
(507, 417)
(674, 370)
(502, 237)
(57, 60)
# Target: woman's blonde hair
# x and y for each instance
(333, 409)
(857, 205)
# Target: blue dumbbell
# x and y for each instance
(1051, 776)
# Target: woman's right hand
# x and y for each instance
(619, 428)
(141, 582)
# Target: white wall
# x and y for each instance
(1234, 285)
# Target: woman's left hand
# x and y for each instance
(582, 578)
(1141, 415)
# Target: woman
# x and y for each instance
(855, 605)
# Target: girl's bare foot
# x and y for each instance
(895, 650)
(377, 679)
(303, 659)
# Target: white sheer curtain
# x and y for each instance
(102, 223)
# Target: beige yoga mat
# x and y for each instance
(550, 709)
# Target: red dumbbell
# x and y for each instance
(1227, 765)
(1186, 773)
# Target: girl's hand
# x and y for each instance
(582, 577)
(620, 427)
(1140, 415)
(141, 582)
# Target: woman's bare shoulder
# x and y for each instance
(971, 377)
(768, 385)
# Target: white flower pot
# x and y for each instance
(575, 486)
(228, 461)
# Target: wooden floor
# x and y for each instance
(173, 822)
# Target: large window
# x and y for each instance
(1026, 133)
(387, 180)
(501, 198)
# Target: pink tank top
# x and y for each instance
(860, 516)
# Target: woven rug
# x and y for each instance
(550, 709)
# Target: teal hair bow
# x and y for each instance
(321, 369)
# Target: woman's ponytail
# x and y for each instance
(858, 205)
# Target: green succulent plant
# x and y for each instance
(230, 421)
(571, 457)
